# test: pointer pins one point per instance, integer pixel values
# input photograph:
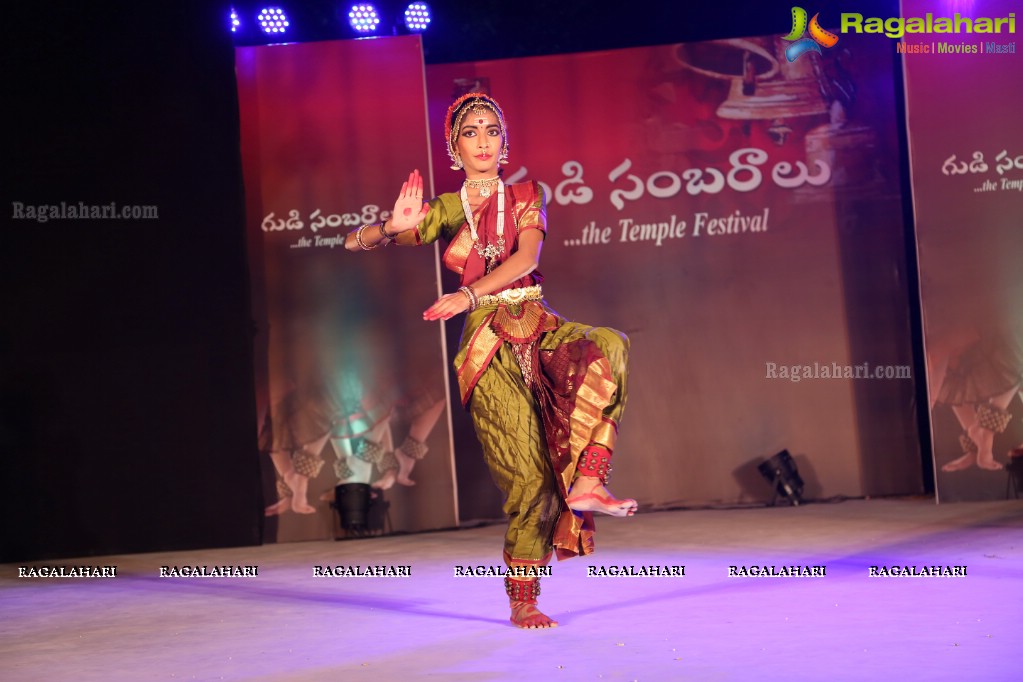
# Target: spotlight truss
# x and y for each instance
(364, 18)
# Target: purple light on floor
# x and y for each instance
(272, 20)
(364, 18)
(417, 16)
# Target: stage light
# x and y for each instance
(364, 18)
(784, 478)
(362, 510)
(417, 16)
(352, 502)
(235, 21)
(1015, 469)
(272, 20)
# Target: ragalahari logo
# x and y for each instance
(818, 36)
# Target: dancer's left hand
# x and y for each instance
(447, 306)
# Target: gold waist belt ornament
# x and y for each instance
(512, 296)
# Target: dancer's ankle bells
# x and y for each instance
(595, 460)
(522, 590)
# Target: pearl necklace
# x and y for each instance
(492, 251)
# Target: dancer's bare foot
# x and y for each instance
(279, 507)
(299, 485)
(989, 463)
(386, 480)
(525, 615)
(405, 464)
(588, 494)
(960, 463)
(985, 440)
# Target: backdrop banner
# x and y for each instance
(351, 381)
(966, 149)
(738, 215)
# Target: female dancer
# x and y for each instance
(545, 394)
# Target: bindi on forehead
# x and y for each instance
(480, 123)
(480, 118)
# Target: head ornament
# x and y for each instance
(476, 102)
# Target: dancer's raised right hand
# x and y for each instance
(409, 209)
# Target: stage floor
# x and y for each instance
(286, 624)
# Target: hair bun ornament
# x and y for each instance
(456, 114)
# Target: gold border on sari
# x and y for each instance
(574, 532)
(478, 353)
(605, 433)
(531, 214)
(513, 562)
(522, 324)
(491, 333)
(458, 251)
(408, 238)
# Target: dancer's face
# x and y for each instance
(479, 143)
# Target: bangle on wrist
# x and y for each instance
(383, 232)
(360, 242)
(474, 300)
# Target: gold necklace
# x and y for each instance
(485, 186)
(491, 252)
